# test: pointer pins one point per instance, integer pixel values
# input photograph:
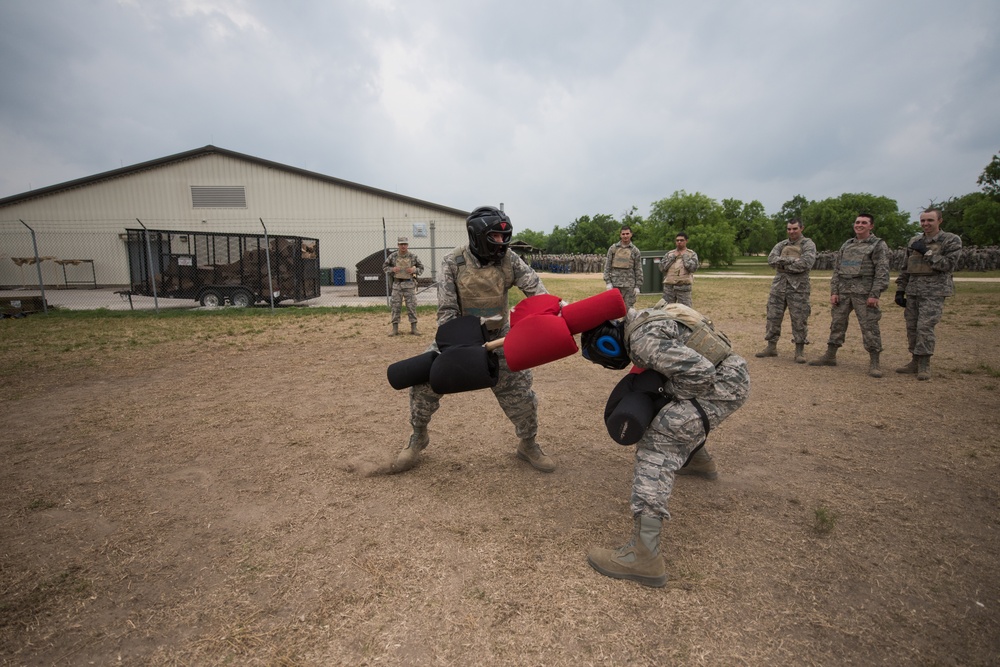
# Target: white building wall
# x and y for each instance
(87, 222)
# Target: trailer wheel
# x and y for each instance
(212, 298)
(241, 299)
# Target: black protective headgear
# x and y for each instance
(605, 345)
(483, 221)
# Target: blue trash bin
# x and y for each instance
(339, 276)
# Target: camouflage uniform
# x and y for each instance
(403, 288)
(927, 280)
(678, 428)
(790, 288)
(860, 272)
(513, 390)
(677, 276)
(623, 270)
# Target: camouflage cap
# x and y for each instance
(403, 240)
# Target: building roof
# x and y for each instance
(215, 150)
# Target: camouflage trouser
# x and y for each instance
(628, 296)
(675, 432)
(513, 392)
(401, 291)
(677, 294)
(798, 312)
(868, 319)
(624, 282)
(922, 314)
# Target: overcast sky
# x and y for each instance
(556, 108)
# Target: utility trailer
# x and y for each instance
(216, 268)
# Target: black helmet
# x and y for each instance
(484, 221)
(605, 345)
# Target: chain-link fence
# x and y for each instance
(150, 264)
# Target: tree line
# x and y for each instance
(720, 231)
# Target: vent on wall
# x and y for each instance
(218, 196)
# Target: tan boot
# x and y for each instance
(873, 368)
(828, 359)
(771, 350)
(800, 353)
(528, 450)
(395, 329)
(924, 367)
(701, 465)
(413, 329)
(638, 559)
(408, 457)
(910, 368)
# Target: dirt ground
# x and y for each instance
(215, 497)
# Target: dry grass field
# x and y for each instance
(205, 489)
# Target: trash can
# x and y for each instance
(325, 277)
(652, 278)
(339, 276)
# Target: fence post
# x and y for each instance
(38, 267)
(149, 264)
(267, 255)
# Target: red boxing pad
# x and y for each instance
(537, 340)
(540, 304)
(594, 310)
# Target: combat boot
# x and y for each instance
(638, 559)
(828, 359)
(408, 457)
(701, 464)
(873, 369)
(413, 329)
(924, 367)
(800, 353)
(528, 450)
(910, 368)
(395, 329)
(770, 351)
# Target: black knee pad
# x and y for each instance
(412, 371)
(464, 368)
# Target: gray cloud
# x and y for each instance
(558, 109)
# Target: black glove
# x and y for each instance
(919, 246)
(900, 298)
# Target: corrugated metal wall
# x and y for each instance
(87, 222)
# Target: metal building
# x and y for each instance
(212, 189)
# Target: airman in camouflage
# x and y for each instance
(703, 395)
(792, 258)
(403, 267)
(678, 267)
(860, 275)
(922, 285)
(623, 267)
(475, 280)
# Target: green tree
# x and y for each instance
(830, 222)
(753, 228)
(975, 217)
(538, 240)
(558, 241)
(990, 178)
(593, 234)
(704, 220)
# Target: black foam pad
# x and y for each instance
(465, 330)
(464, 368)
(408, 372)
(630, 418)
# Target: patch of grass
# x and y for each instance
(39, 504)
(824, 520)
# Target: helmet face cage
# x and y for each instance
(483, 222)
(605, 345)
